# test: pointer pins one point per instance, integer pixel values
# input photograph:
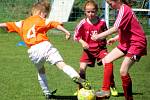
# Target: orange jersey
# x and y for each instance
(32, 30)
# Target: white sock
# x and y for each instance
(70, 71)
(43, 83)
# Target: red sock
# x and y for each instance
(108, 70)
(127, 87)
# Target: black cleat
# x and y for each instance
(50, 95)
(85, 84)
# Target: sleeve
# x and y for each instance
(14, 26)
(119, 17)
(53, 24)
(78, 31)
(124, 17)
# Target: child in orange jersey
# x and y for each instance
(33, 32)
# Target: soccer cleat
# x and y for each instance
(103, 94)
(86, 85)
(113, 91)
(50, 95)
(83, 82)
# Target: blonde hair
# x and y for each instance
(42, 6)
(93, 2)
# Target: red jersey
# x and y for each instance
(131, 34)
(32, 30)
(84, 31)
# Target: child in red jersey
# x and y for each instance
(93, 51)
(132, 45)
(33, 31)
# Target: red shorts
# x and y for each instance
(134, 49)
(91, 56)
(133, 57)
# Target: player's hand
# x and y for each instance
(111, 41)
(68, 36)
(85, 45)
(94, 37)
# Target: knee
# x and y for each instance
(105, 60)
(123, 72)
(83, 66)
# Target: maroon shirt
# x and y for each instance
(131, 34)
(84, 31)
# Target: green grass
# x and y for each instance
(18, 76)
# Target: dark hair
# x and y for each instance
(93, 2)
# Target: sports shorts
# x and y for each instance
(44, 52)
(133, 57)
(91, 57)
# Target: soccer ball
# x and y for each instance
(84, 94)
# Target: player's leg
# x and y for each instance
(82, 71)
(53, 57)
(125, 77)
(101, 55)
(38, 54)
(108, 72)
(42, 80)
(73, 74)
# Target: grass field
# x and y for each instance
(18, 77)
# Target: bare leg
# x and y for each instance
(73, 74)
(108, 67)
(82, 71)
(108, 72)
(125, 77)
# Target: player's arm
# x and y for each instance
(84, 44)
(3, 25)
(104, 34)
(61, 28)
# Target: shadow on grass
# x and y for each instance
(122, 94)
(57, 97)
(68, 98)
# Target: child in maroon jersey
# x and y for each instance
(132, 45)
(92, 50)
